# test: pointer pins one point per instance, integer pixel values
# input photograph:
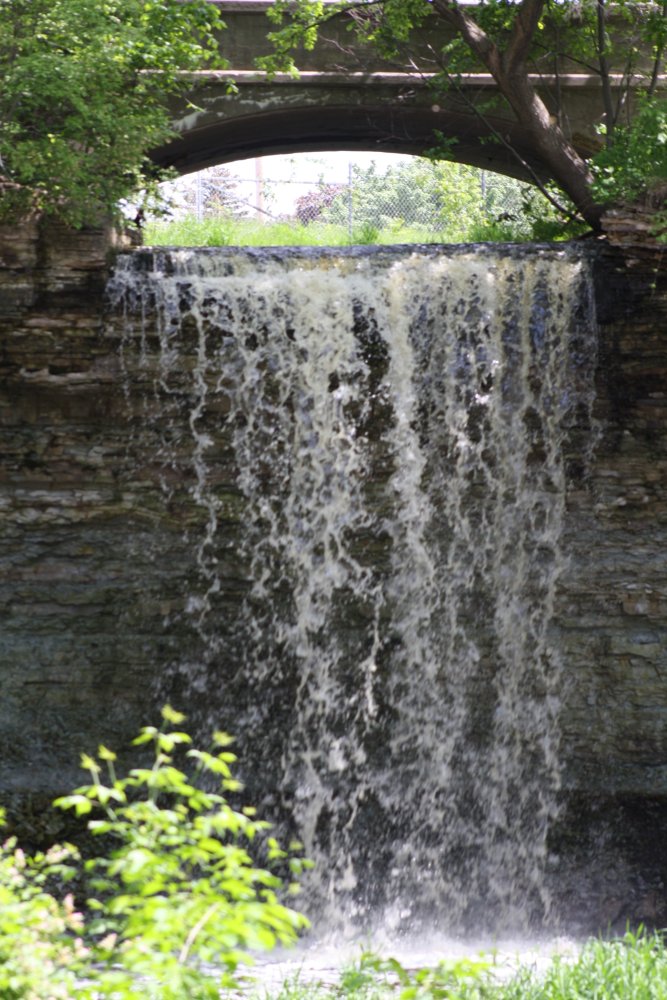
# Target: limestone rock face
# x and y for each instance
(83, 599)
(97, 561)
(633, 225)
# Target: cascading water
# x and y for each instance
(399, 423)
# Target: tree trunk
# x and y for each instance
(569, 170)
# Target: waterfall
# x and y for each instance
(398, 424)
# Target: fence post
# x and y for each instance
(259, 187)
(349, 201)
(199, 199)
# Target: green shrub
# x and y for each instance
(635, 164)
(180, 904)
(365, 234)
(630, 968)
(373, 976)
(86, 89)
(41, 947)
(227, 231)
(179, 901)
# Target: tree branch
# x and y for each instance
(473, 35)
(509, 70)
(607, 97)
(626, 81)
(499, 137)
(657, 62)
(525, 25)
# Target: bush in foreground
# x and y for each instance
(179, 901)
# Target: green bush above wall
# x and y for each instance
(84, 96)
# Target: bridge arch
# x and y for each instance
(380, 112)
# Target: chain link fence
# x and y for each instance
(415, 196)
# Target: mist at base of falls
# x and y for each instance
(400, 425)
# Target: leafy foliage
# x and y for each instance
(180, 902)
(311, 206)
(84, 97)
(410, 192)
(449, 979)
(456, 202)
(41, 947)
(635, 164)
(225, 231)
(416, 201)
(516, 42)
(633, 966)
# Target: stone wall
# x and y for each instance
(97, 562)
(614, 602)
(613, 610)
(83, 600)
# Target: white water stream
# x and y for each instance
(399, 423)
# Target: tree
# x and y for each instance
(456, 201)
(410, 192)
(310, 207)
(85, 90)
(513, 41)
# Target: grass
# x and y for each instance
(226, 231)
(631, 968)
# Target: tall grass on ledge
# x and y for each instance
(225, 231)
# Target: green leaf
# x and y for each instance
(89, 763)
(171, 715)
(147, 735)
(80, 803)
(179, 893)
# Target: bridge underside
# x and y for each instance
(383, 113)
(362, 128)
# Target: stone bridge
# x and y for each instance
(347, 97)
